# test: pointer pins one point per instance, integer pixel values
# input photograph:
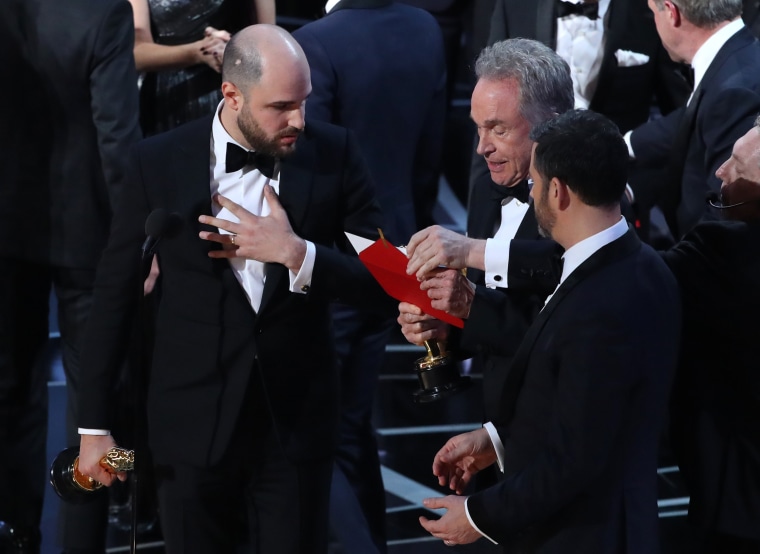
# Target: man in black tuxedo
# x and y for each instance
(583, 403)
(676, 156)
(242, 400)
(355, 75)
(521, 83)
(64, 140)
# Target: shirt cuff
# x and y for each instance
(101, 432)
(497, 445)
(467, 512)
(627, 139)
(300, 282)
(496, 262)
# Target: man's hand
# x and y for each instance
(263, 238)
(436, 247)
(418, 327)
(449, 291)
(453, 527)
(462, 457)
(92, 449)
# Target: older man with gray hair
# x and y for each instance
(677, 156)
(521, 83)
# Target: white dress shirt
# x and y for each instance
(572, 258)
(580, 42)
(246, 188)
(496, 261)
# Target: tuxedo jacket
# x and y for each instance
(67, 130)
(490, 332)
(210, 345)
(378, 68)
(582, 408)
(715, 413)
(624, 94)
(688, 146)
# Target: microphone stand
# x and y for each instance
(139, 361)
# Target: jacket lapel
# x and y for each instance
(617, 20)
(616, 250)
(296, 184)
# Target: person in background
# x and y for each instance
(179, 45)
(676, 157)
(377, 68)
(63, 171)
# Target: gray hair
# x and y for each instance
(706, 14)
(546, 88)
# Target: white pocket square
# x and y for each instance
(626, 58)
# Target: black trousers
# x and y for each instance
(255, 500)
(24, 311)
(24, 291)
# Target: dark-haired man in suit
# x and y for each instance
(584, 400)
(242, 400)
(64, 141)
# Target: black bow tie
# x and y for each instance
(519, 191)
(589, 9)
(238, 158)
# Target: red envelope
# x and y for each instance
(388, 266)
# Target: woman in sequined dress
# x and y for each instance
(179, 46)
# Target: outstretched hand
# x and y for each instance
(462, 457)
(453, 527)
(436, 247)
(267, 238)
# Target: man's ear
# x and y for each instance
(560, 191)
(674, 13)
(233, 98)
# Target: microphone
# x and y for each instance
(160, 224)
(714, 199)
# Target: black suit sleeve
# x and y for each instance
(114, 96)
(337, 275)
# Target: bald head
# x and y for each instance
(256, 48)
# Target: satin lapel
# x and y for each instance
(671, 196)
(616, 250)
(528, 228)
(296, 183)
(190, 186)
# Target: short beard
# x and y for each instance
(260, 142)
(546, 220)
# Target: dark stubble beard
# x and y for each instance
(260, 142)
(544, 217)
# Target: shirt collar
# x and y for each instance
(330, 5)
(710, 48)
(220, 137)
(580, 252)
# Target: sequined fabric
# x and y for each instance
(171, 98)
